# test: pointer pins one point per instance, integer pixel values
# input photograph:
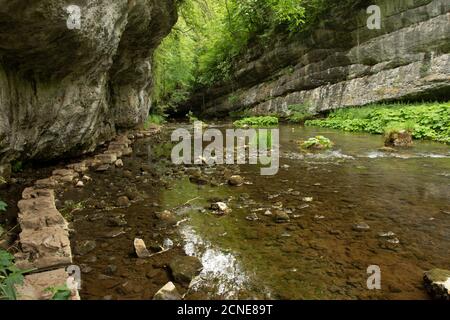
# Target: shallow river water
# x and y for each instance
(403, 197)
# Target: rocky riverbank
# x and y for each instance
(44, 238)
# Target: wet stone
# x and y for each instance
(111, 269)
(168, 292)
(221, 208)
(86, 269)
(236, 180)
(281, 216)
(123, 201)
(252, 217)
(166, 216)
(167, 244)
(361, 227)
(116, 221)
(141, 249)
(84, 247)
(199, 180)
(185, 268)
(103, 168)
(437, 283)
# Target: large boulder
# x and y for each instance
(437, 283)
(185, 268)
(69, 78)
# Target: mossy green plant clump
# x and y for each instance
(316, 143)
(430, 121)
(257, 122)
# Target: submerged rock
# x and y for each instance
(185, 268)
(80, 184)
(117, 221)
(281, 216)
(123, 201)
(361, 227)
(437, 283)
(102, 168)
(252, 217)
(236, 181)
(166, 216)
(167, 244)
(84, 247)
(388, 150)
(221, 208)
(168, 292)
(119, 163)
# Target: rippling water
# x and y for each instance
(402, 196)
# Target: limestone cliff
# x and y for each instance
(343, 63)
(74, 72)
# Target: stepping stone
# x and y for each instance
(39, 213)
(46, 183)
(45, 248)
(106, 158)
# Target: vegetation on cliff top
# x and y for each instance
(425, 121)
(211, 34)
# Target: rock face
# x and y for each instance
(66, 87)
(342, 63)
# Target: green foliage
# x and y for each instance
(191, 117)
(60, 292)
(2, 180)
(211, 35)
(3, 205)
(395, 127)
(239, 114)
(318, 143)
(429, 121)
(17, 166)
(154, 119)
(266, 121)
(10, 276)
(300, 113)
(70, 207)
(262, 139)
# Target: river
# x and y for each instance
(350, 208)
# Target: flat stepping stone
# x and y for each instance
(48, 247)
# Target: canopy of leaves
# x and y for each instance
(211, 34)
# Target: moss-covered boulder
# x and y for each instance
(316, 143)
(437, 283)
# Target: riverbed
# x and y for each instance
(349, 208)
